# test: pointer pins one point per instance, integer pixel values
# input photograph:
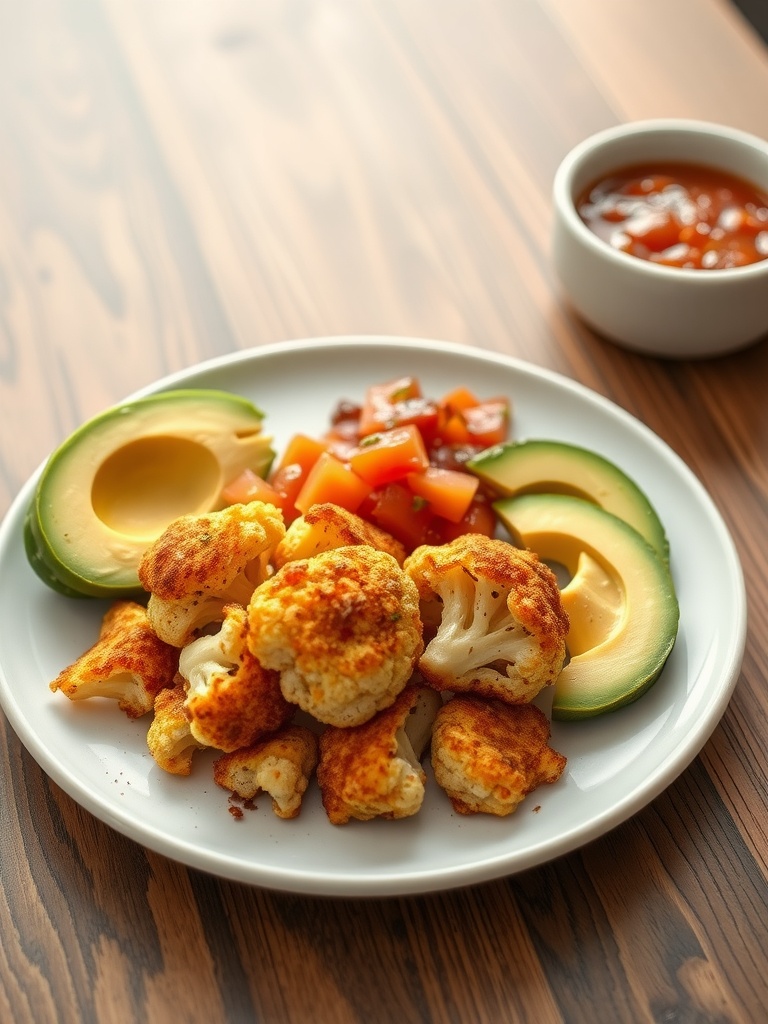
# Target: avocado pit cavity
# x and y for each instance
(145, 484)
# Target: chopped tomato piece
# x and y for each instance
(288, 477)
(378, 410)
(331, 480)
(479, 518)
(488, 422)
(454, 430)
(303, 451)
(458, 399)
(448, 491)
(403, 514)
(389, 455)
(397, 403)
(249, 486)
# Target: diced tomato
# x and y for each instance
(288, 477)
(401, 513)
(378, 410)
(488, 422)
(249, 486)
(458, 399)
(479, 518)
(449, 491)
(397, 403)
(389, 455)
(331, 480)
(301, 450)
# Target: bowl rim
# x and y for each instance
(565, 207)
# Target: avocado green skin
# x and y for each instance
(36, 558)
(626, 683)
(516, 467)
(41, 551)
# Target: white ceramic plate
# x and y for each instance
(616, 764)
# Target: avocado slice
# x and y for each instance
(621, 599)
(115, 484)
(554, 467)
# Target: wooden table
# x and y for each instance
(185, 180)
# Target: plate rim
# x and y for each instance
(418, 880)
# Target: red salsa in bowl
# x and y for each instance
(679, 215)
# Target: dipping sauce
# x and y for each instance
(680, 215)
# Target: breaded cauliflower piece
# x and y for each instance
(342, 629)
(232, 700)
(202, 562)
(327, 526)
(374, 770)
(280, 765)
(170, 738)
(488, 755)
(502, 626)
(128, 663)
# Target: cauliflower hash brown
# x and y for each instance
(169, 738)
(232, 700)
(202, 562)
(374, 770)
(247, 624)
(501, 625)
(128, 663)
(328, 526)
(342, 629)
(488, 755)
(280, 765)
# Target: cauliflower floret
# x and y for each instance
(488, 755)
(343, 630)
(169, 738)
(502, 626)
(232, 700)
(280, 765)
(202, 562)
(127, 663)
(374, 770)
(327, 526)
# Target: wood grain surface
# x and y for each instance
(180, 180)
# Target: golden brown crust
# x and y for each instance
(488, 755)
(327, 526)
(127, 663)
(205, 552)
(169, 738)
(502, 626)
(281, 765)
(370, 771)
(342, 628)
(237, 700)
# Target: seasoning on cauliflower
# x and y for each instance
(280, 765)
(127, 663)
(343, 630)
(232, 700)
(169, 738)
(327, 526)
(502, 626)
(202, 562)
(374, 770)
(488, 755)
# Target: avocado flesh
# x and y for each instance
(554, 467)
(115, 484)
(620, 593)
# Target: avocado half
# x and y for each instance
(555, 467)
(621, 599)
(117, 482)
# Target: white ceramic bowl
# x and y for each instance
(648, 307)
